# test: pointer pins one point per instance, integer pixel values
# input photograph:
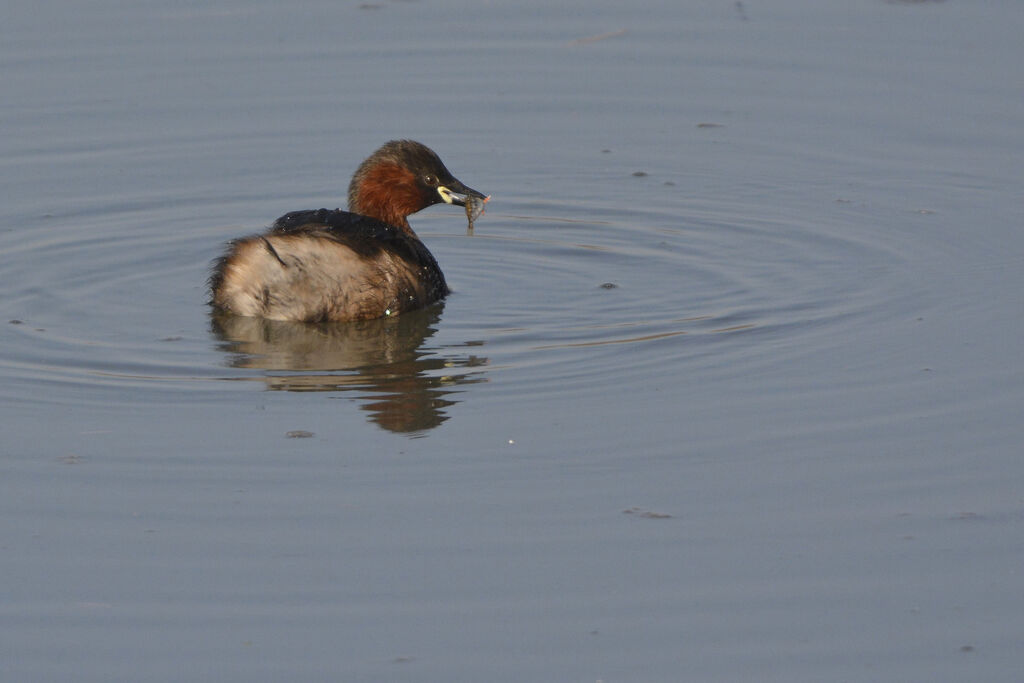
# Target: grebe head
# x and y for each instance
(401, 178)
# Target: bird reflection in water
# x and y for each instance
(403, 386)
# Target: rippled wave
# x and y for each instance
(545, 293)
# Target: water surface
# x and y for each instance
(728, 389)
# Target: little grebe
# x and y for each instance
(323, 265)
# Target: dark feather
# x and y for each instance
(364, 235)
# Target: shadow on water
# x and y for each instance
(404, 385)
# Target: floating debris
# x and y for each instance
(601, 36)
(646, 514)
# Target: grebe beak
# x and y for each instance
(456, 193)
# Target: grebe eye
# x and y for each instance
(430, 180)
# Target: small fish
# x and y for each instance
(475, 208)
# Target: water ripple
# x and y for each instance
(544, 295)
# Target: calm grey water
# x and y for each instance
(730, 387)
